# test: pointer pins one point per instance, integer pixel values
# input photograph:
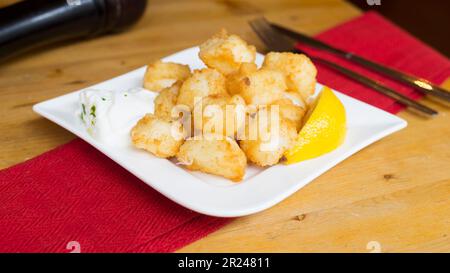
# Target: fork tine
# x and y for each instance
(273, 39)
(262, 31)
(276, 39)
(259, 30)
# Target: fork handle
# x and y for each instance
(415, 82)
(378, 87)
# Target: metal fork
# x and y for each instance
(276, 41)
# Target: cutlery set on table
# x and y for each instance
(279, 38)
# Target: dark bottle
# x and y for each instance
(33, 23)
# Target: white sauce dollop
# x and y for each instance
(108, 116)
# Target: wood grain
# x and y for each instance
(394, 192)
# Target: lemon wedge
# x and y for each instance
(323, 131)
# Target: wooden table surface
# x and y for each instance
(393, 195)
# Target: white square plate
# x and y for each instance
(211, 195)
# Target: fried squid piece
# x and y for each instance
(166, 101)
(292, 112)
(226, 52)
(202, 83)
(220, 114)
(262, 87)
(298, 69)
(234, 79)
(161, 75)
(214, 154)
(160, 137)
(268, 136)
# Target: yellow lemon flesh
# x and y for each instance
(323, 131)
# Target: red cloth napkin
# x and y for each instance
(75, 193)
